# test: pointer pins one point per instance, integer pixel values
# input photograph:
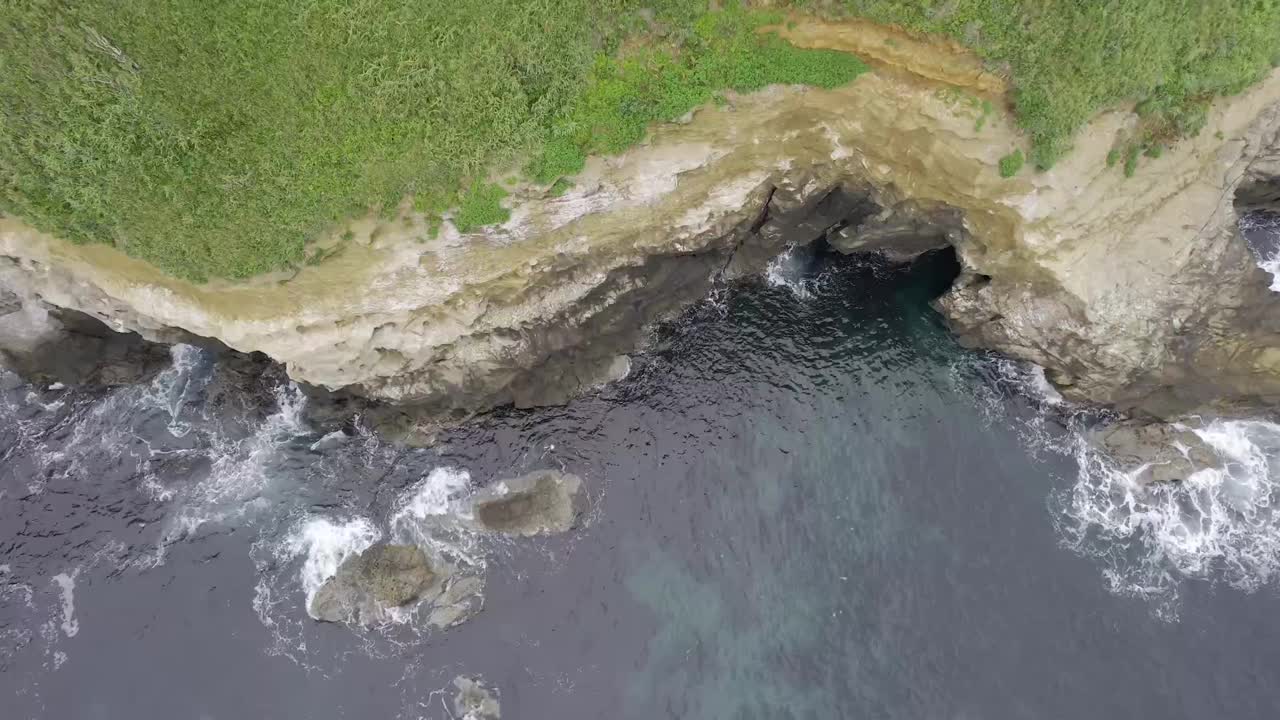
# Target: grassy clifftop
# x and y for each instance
(214, 139)
(1071, 58)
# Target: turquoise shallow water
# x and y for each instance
(805, 502)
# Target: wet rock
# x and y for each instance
(1155, 452)
(366, 585)
(446, 616)
(475, 700)
(540, 502)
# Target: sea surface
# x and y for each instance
(805, 501)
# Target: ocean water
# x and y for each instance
(1263, 233)
(805, 501)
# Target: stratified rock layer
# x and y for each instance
(1137, 292)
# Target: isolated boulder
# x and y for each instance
(475, 701)
(540, 502)
(367, 585)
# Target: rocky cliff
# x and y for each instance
(1137, 292)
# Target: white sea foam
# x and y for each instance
(432, 513)
(1218, 525)
(1151, 539)
(324, 544)
(434, 496)
(67, 586)
(171, 389)
(240, 468)
(1271, 264)
(331, 440)
(34, 400)
(1041, 389)
(104, 429)
(788, 270)
(1267, 250)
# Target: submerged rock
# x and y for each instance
(475, 701)
(367, 585)
(540, 502)
(1155, 452)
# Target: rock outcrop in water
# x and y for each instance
(475, 701)
(1136, 292)
(537, 503)
(368, 584)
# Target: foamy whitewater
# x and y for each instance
(1151, 538)
(326, 544)
(1217, 525)
(1263, 232)
(790, 269)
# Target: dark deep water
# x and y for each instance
(806, 502)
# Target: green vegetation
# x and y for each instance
(1131, 159)
(560, 187)
(961, 101)
(216, 139)
(661, 81)
(987, 108)
(481, 205)
(1011, 164)
(1068, 59)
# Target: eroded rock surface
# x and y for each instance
(1136, 292)
(541, 502)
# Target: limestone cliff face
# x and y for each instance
(1141, 292)
(1137, 291)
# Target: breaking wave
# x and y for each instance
(793, 269)
(1263, 233)
(325, 544)
(1219, 525)
(431, 513)
(240, 468)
